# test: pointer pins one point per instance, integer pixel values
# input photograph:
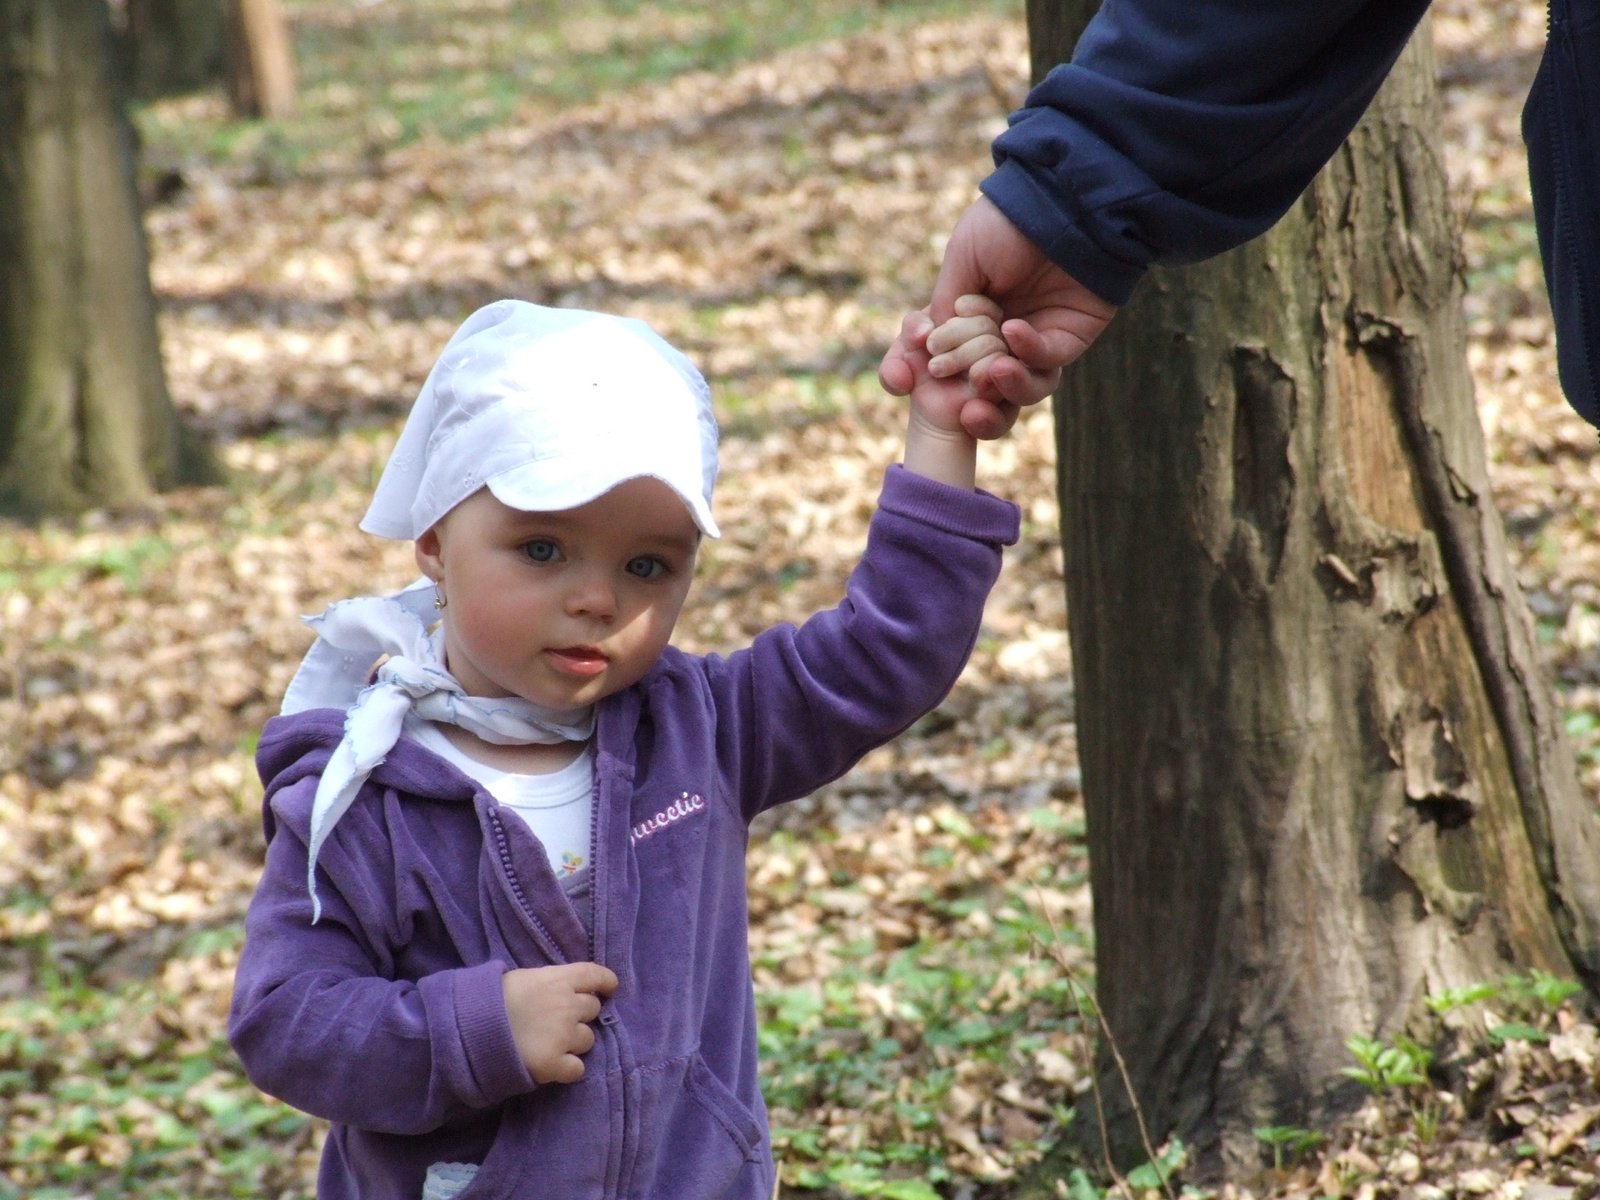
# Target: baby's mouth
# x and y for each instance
(578, 660)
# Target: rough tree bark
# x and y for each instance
(1324, 772)
(260, 59)
(85, 418)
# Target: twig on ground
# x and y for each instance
(1075, 987)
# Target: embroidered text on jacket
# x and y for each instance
(676, 811)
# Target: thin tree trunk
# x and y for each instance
(85, 418)
(1323, 769)
(261, 59)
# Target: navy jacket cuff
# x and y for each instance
(1031, 205)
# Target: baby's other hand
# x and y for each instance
(550, 1009)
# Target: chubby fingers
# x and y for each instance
(568, 1067)
(895, 372)
(589, 982)
(550, 1009)
(592, 977)
(969, 337)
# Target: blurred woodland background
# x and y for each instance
(768, 184)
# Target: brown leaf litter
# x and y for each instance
(775, 221)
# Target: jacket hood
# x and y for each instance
(299, 745)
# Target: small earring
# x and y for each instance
(439, 600)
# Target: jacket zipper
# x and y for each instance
(594, 859)
(608, 1016)
(607, 1019)
(503, 849)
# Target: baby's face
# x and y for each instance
(561, 608)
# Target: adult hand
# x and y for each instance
(1050, 319)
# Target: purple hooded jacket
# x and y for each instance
(387, 1018)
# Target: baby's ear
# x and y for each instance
(428, 549)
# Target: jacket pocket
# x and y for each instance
(702, 1140)
(717, 1098)
(552, 1145)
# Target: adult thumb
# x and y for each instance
(961, 272)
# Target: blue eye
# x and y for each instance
(646, 566)
(542, 550)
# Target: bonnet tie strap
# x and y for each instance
(352, 635)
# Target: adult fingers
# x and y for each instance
(1013, 380)
(987, 419)
(986, 255)
(1052, 337)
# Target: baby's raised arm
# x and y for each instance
(936, 444)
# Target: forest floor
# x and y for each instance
(768, 185)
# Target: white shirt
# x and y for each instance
(558, 807)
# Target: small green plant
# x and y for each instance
(1451, 999)
(128, 561)
(1154, 1174)
(1288, 1142)
(1516, 1031)
(1540, 990)
(1536, 992)
(860, 1179)
(1425, 1119)
(1080, 1187)
(1383, 1068)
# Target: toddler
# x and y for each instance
(500, 939)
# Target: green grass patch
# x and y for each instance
(886, 1036)
(101, 1096)
(390, 72)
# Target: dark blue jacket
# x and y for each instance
(1182, 128)
(1561, 125)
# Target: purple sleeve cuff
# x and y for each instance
(977, 515)
(486, 1037)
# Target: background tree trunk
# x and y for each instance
(260, 59)
(1324, 772)
(85, 418)
(174, 46)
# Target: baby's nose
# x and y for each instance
(593, 596)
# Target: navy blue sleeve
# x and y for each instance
(1183, 128)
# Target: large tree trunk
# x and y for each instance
(1323, 770)
(84, 414)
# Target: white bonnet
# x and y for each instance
(549, 408)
